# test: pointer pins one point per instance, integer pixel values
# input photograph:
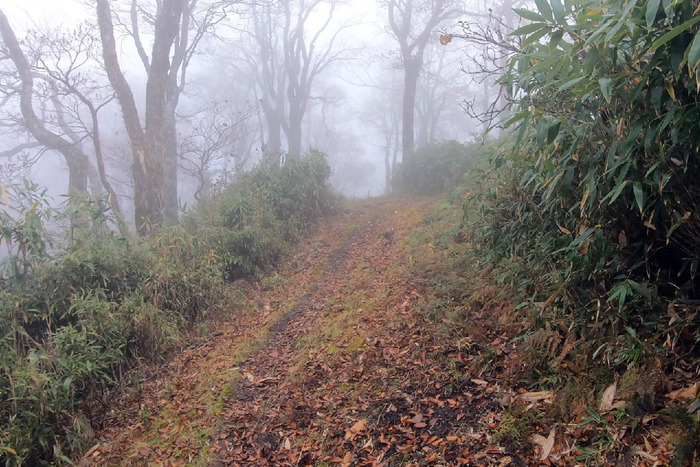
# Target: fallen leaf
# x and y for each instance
(684, 394)
(642, 454)
(606, 402)
(622, 239)
(480, 382)
(536, 396)
(382, 439)
(405, 448)
(545, 443)
(355, 429)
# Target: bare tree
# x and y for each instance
(210, 143)
(305, 58)
(288, 54)
(197, 18)
(154, 144)
(67, 93)
(384, 116)
(76, 160)
(412, 23)
(266, 60)
(487, 35)
(441, 88)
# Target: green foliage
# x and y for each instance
(516, 425)
(595, 198)
(435, 168)
(23, 235)
(74, 318)
(252, 222)
(587, 215)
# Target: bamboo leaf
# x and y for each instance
(652, 9)
(536, 36)
(638, 195)
(571, 83)
(694, 52)
(559, 11)
(586, 194)
(556, 38)
(664, 181)
(606, 88)
(675, 32)
(545, 9)
(553, 131)
(640, 289)
(529, 15)
(617, 191)
(528, 29)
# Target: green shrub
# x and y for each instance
(596, 197)
(587, 214)
(435, 168)
(74, 318)
(252, 222)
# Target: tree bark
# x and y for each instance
(294, 130)
(171, 204)
(76, 160)
(412, 73)
(149, 144)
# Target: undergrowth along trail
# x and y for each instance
(326, 361)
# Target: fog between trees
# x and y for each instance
(154, 103)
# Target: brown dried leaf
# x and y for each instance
(684, 394)
(606, 402)
(355, 429)
(536, 396)
(545, 443)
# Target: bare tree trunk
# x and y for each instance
(412, 72)
(75, 158)
(413, 38)
(273, 148)
(149, 145)
(387, 169)
(294, 132)
(171, 203)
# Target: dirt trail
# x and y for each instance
(326, 362)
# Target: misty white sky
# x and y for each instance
(42, 12)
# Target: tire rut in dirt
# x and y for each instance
(257, 399)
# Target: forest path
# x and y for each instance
(328, 362)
